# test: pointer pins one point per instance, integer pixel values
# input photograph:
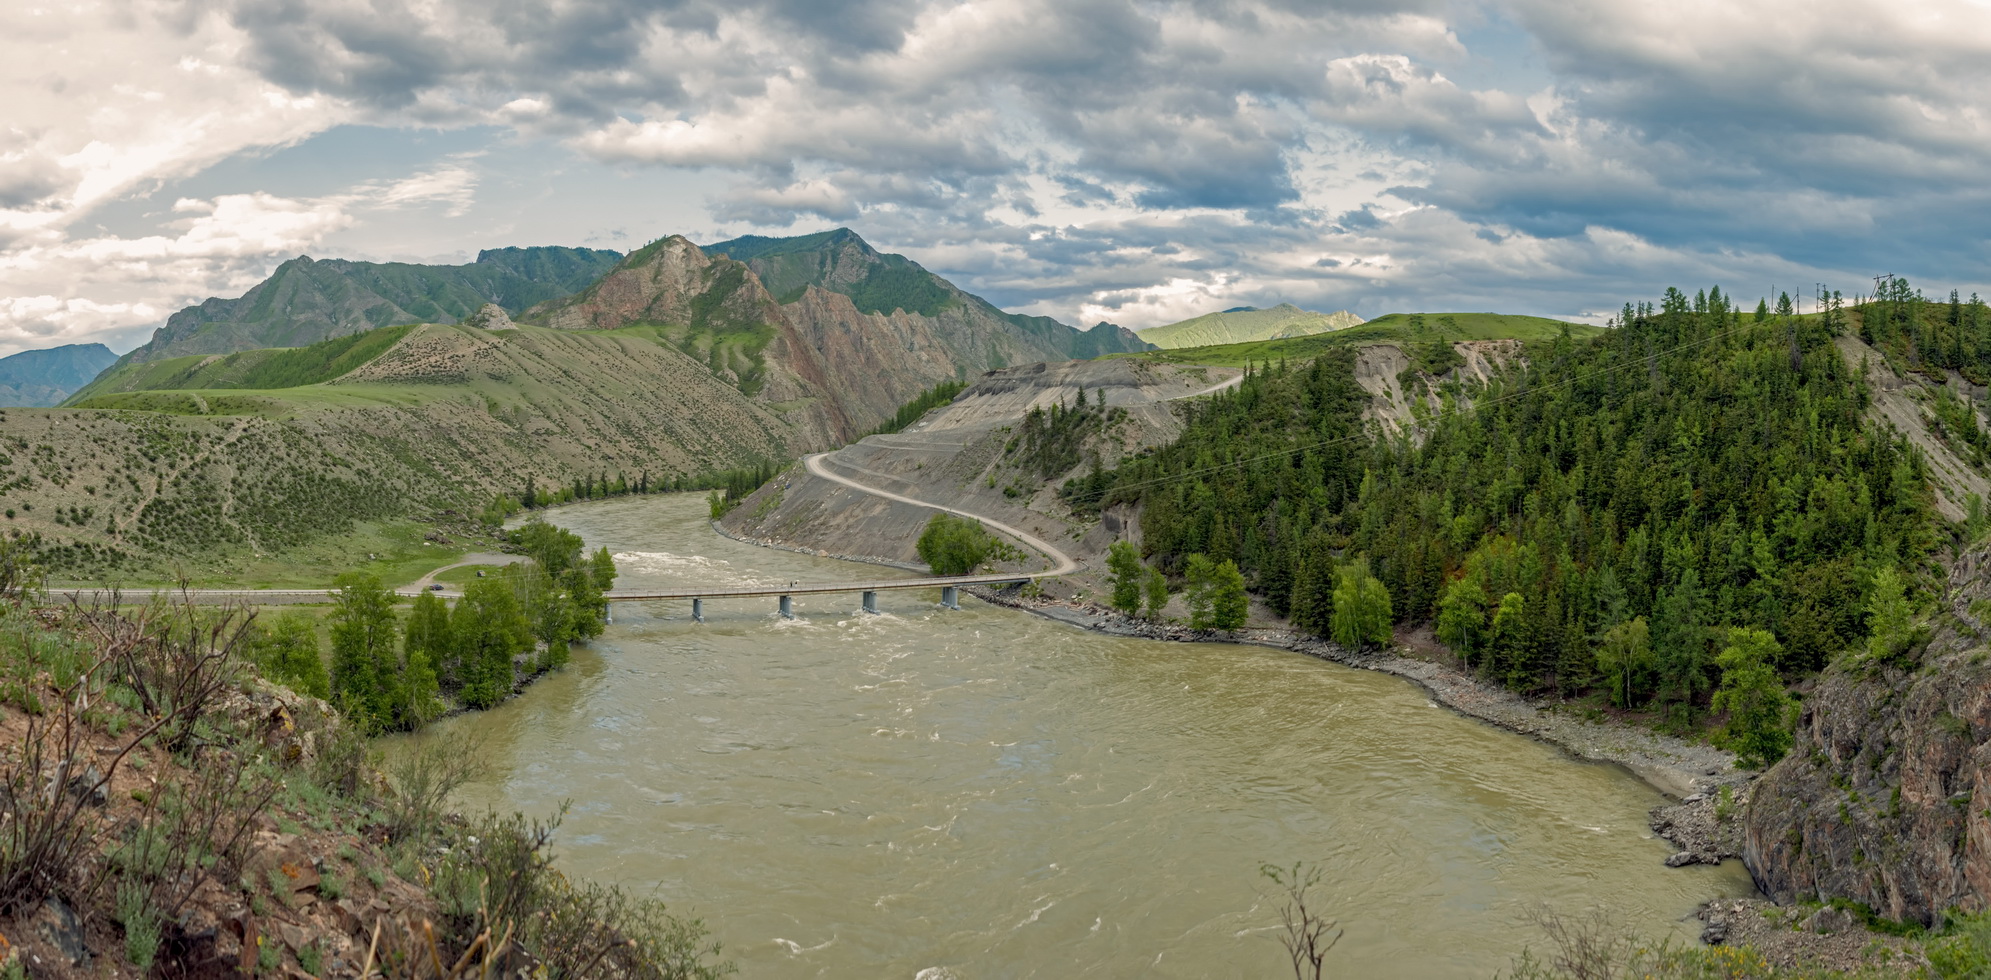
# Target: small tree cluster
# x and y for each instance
(1136, 588)
(1215, 592)
(388, 675)
(953, 545)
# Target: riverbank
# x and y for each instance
(1692, 775)
(1706, 791)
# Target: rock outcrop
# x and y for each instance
(490, 316)
(1885, 799)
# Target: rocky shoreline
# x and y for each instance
(1692, 775)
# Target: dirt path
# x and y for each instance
(479, 558)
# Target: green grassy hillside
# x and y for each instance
(1244, 326)
(283, 367)
(1396, 328)
(273, 485)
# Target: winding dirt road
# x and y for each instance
(1066, 564)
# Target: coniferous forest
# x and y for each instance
(1613, 516)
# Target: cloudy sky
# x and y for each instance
(1086, 159)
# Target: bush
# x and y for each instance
(287, 652)
(498, 879)
(953, 545)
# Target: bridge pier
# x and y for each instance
(698, 610)
(787, 607)
(950, 596)
(871, 603)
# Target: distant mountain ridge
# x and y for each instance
(883, 283)
(837, 332)
(1242, 324)
(307, 300)
(37, 378)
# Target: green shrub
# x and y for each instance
(953, 545)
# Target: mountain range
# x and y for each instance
(1245, 323)
(307, 300)
(45, 377)
(286, 420)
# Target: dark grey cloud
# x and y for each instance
(1100, 153)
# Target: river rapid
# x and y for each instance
(985, 793)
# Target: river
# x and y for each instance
(985, 793)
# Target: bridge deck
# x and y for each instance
(817, 588)
(932, 582)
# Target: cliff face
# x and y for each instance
(1885, 798)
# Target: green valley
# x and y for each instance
(1404, 329)
(1247, 324)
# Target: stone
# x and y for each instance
(91, 787)
(1682, 859)
(1716, 931)
(63, 930)
(1829, 922)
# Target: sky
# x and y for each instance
(1138, 162)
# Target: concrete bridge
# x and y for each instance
(949, 585)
